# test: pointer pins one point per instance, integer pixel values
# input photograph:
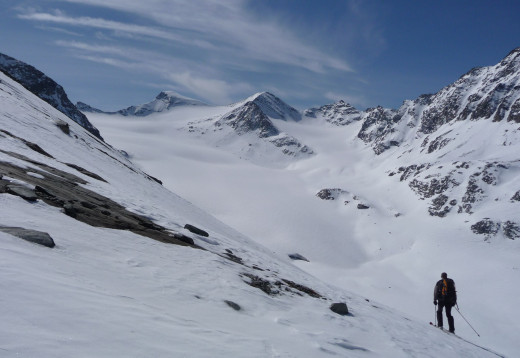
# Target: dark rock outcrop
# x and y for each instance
(233, 305)
(61, 189)
(339, 308)
(45, 88)
(196, 230)
(296, 257)
(330, 194)
(249, 118)
(37, 237)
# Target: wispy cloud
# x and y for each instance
(225, 28)
(181, 74)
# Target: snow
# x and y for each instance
(395, 260)
(106, 293)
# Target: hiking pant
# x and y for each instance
(451, 323)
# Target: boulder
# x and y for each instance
(297, 257)
(339, 308)
(196, 230)
(37, 237)
(21, 191)
(233, 305)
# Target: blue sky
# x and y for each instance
(116, 53)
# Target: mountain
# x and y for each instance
(163, 102)
(274, 107)
(339, 113)
(45, 88)
(488, 93)
(388, 200)
(99, 259)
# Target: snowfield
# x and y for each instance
(106, 293)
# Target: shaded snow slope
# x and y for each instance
(109, 292)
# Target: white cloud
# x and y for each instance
(225, 28)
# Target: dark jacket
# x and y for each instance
(451, 296)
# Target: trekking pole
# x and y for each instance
(435, 314)
(457, 308)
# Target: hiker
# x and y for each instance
(446, 296)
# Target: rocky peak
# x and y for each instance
(164, 101)
(45, 88)
(83, 107)
(274, 107)
(249, 118)
(339, 113)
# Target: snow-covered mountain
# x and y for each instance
(99, 259)
(407, 193)
(45, 88)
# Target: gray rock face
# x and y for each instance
(487, 93)
(37, 237)
(45, 88)
(339, 113)
(249, 118)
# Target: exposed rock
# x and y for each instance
(61, 189)
(511, 230)
(363, 206)
(486, 227)
(162, 102)
(516, 197)
(279, 286)
(21, 191)
(339, 113)
(330, 194)
(64, 126)
(339, 308)
(196, 230)
(29, 144)
(249, 118)
(45, 88)
(37, 237)
(86, 172)
(233, 305)
(438, 208)
(297, 257)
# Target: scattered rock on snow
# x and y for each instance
(296, 256)
(233, 305)
(196, 230)
(37, 237)
(330, 194)
(339, 308)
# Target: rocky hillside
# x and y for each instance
(457, 148)
(45, 88)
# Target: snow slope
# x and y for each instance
(109, 292)
(394, 250)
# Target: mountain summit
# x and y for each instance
(164, 101)
(274, 107)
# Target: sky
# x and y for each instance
(113, 54)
